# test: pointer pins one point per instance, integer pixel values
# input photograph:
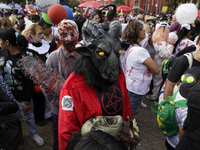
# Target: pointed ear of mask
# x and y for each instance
(85, 51)
(124, 44)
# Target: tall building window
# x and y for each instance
(136, 3)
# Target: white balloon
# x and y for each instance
(43, 5)
(186, 13)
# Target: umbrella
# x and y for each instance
(34, 6)
(4, 6)
(91, 4)
(91, 10)
(137, 7)
(17, 5)
(10, 5)
(124, 8)
(30, 7)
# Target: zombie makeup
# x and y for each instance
(69, 45)
(108, 124)
(68, 33)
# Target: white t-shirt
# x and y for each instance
(181, 114)
(184, 43)
(137, 80)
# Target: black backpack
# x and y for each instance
(10, 132)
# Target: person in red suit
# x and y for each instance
(97, 86)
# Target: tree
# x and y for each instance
(176, 2)
(73, 3)
(119, 2)
(16, 1)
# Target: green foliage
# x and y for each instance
(73, 3)
(119, 2)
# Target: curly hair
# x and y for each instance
(131, 32)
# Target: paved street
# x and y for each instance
(152, 138)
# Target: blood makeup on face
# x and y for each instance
(69, 45)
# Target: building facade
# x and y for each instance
(150, 6)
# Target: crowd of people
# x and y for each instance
(110, 61)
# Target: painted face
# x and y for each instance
(108, 124)
(96, 18)
(69, 45)
(39, 37)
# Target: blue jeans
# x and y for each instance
(135, 101)
(28, 116)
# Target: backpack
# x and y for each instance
(10, 132)
(166, 115)
(166, 64)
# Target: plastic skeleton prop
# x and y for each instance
(42, 75)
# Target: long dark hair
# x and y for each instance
(14, 38)
(183, 33)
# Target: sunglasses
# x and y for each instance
(20, 18)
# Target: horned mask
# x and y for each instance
(103, 48)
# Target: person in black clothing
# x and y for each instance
(190, 139)
(8, 107)
(177, 70)
(13, 47)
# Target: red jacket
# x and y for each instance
(85, 105)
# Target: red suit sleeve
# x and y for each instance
(68, 122)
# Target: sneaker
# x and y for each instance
(143, 105)
(39, 141)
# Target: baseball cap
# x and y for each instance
(189, 79)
